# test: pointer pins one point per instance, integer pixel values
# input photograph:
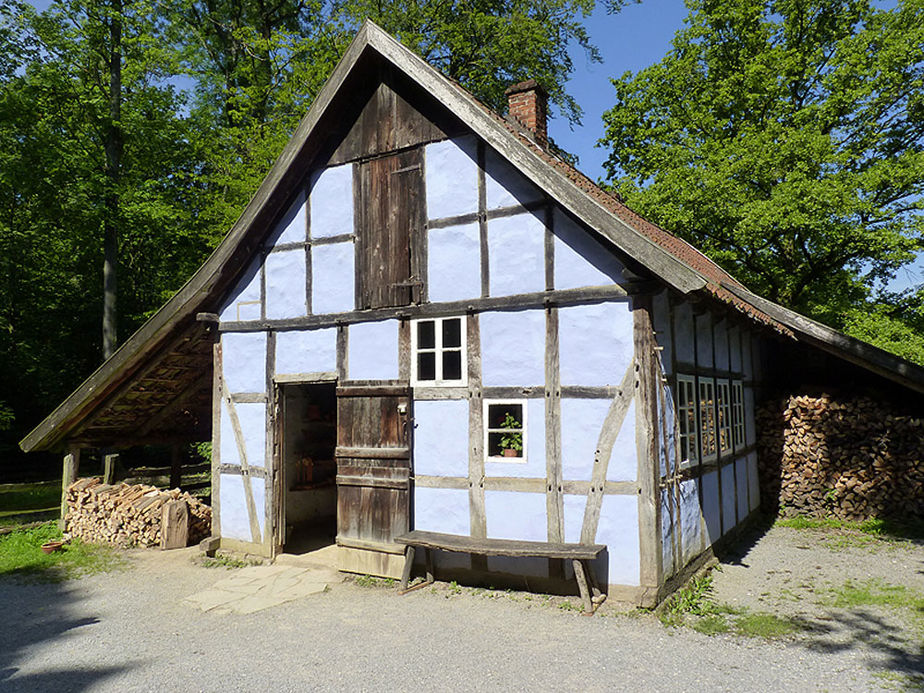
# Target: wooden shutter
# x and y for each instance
(391, 219)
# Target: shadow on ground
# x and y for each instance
(37, 617)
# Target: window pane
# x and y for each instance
(497, 415)
(426, 366)
(452, 365)
(426, 335)
(452, 333)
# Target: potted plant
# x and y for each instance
(511, 441)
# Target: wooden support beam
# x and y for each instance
(175, 404)
(110, 460)
(176, 465)
(68, 476)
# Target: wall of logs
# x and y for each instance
(128, 515)
(844, 456)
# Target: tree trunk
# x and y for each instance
(114, 147)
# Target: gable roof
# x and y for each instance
(175, 327)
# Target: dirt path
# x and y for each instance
(130, 630)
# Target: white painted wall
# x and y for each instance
(286, 292)
(451, 171)
(454, 263)
(441, 438)
(516, 255)
(306, 351)
(513, 348)
(332, 278)
(373, 350)
(243, 357)
(595, 343)
(331, 202)
(581, 260)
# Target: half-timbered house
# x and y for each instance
(427, 320)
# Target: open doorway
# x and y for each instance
(309, 439)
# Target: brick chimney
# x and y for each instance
(527, 102)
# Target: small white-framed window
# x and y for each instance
(438, 351)
(723, 416)
(707, 427)
(505, 430)
(737, 407)
(686, 420)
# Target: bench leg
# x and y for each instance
(582, 586)
(408, 564)
(598, 596)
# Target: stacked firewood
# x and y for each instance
(851, 458)
(125, 515)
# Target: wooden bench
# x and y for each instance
(578, 554)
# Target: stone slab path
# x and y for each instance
(260, 587)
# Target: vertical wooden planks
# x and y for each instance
(217, 386)
(270, 454)
(649, 506)
(174, 528)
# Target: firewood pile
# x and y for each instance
(849, 458)
(126, 515)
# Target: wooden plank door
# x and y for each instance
(391, 219)
(373, 465)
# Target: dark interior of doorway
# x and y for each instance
(309, 440)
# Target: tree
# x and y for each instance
(785, 138)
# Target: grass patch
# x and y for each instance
(711, 624)
(21, 556)
(16, 499)
(887, 530)
(372, 581)
(875, 592)
(694, 599)
(226, 562)
(900, 681)
(760, 624)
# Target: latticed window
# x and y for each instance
(737, 407)
(686, 413)
(505, 430)
(438, 348)
(723, 412)
(707, 418)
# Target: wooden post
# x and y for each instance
(176, 465)
(110, 460)
(174, 528)
(68, 476)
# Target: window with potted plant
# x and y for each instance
(505, 431)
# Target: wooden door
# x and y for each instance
(391, 219)
(373, 465)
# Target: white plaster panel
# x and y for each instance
(534, 467)
(441, 438)
(332, 202)
(595, 343)
(235, 520)
(516, 255)
(286, 293)
(729, 501)
(516, 515)
(252, 417)
(741, 493)
(753, 482)
(574, 507)
(710, 505)
(513, 348)
(704, 340)
(721, 345)
(581, 260)
(690, 521)
(623, 464)
(667, 533)
(618, 529)
(243, 356)
(373, 350)
(441, 510)
(662, 327)
(292, 227)
(734, 349)
(750, 431)
(306, 351)
(454, 263)
(504, 185)
(666, 437)
(244, 301)
(747, 363)
(581, 423)
(332, 282)
(683, 333)
(451, 168)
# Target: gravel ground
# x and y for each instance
(130, 631)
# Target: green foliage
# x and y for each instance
(694, 598)
(16, 498)
(513, 438)
(786, 140)
(880, 528)
(764, 625)
(21, 556)
(227, 562)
